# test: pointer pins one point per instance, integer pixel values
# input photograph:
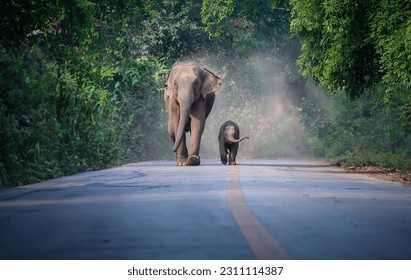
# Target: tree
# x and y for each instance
(354, 45)
(391, 32)
(60, 112)
(336, 47)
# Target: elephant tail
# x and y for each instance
(232, 140)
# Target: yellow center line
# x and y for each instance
(261, 242)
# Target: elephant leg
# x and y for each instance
(223, 153)
(181, 153)
(197, 127)
(233, 154)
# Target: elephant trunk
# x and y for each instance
(185, 105)
(231, 139)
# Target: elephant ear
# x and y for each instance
(211, 83)
(167, 86)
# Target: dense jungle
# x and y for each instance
(82, 82)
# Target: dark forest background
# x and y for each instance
(81, 82)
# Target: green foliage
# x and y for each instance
(394, 44)
(213, 14)
(314, 119)
(361, 48)
(336, 48)
(360, 132)
(51, 123)
(400, 161)
(60, 112)
(172, 31)
(354, 45)
(139, 89)
(394, 48)
(246, 26)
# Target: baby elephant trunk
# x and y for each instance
(231, 139)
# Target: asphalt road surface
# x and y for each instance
(260, 209)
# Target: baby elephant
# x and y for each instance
(229, 141)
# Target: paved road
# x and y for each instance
(264, 209)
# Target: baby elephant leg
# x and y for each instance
(233, 154)
(223, 154)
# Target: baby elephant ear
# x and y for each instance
(211, 83)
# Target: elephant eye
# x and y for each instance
(195, 83)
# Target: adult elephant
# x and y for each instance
(189, 96)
